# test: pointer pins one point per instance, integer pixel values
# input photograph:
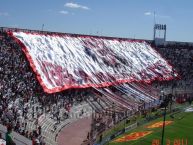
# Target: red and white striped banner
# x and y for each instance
(67, 61)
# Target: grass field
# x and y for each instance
(180, 130)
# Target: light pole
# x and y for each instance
(166, 101)
(42, 27)
(163, 129)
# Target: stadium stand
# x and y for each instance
(39, 115)
(180, 55)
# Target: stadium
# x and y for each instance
(52, 95)
(72, 89)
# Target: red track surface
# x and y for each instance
(75, 133)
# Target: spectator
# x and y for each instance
(9, 137)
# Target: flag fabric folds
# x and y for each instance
(76, 61)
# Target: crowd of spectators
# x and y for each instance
(180, 56)
(20, 91)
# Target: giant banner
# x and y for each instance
(66, 61)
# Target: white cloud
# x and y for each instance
(147, 13)
(64, 12)
(158, 16)
(76, 6)
(4, 14)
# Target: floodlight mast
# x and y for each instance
(42, 27)
(166, 101)
(163, 129)
(154, 22)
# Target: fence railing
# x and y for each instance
(111, 137)
(135, 125)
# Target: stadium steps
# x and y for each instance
(47, 126)
(47, 123)
(94, 105)
(99, 104)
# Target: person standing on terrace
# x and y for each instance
(9, 137)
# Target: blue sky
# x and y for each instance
(119, 18)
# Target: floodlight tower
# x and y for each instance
(159, 35)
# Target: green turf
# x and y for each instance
(181, 128)
(118, 127)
